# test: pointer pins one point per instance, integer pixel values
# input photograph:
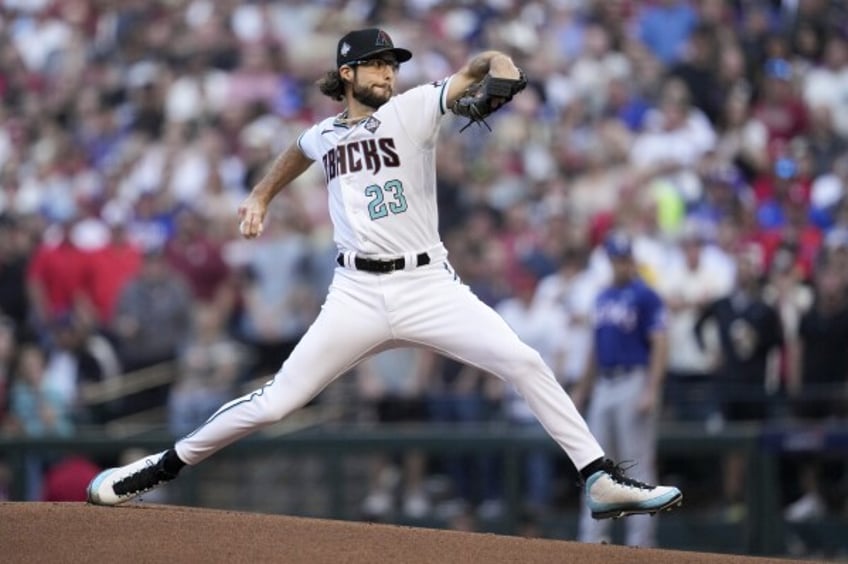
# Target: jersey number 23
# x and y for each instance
(378, 207)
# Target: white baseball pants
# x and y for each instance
(365, 313)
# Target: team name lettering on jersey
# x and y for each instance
(616, 313)
(367, 154)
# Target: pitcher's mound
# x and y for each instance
(75, 532)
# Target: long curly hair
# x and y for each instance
(332, 85)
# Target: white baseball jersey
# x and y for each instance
(381, 174)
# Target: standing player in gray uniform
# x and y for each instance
(393, 286)
(625, 379)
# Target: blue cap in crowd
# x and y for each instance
(779, 68)
(785, 168)
(618, 245)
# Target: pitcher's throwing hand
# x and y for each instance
(251, 215)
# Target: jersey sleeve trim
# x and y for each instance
(309, 142)
(443, 96)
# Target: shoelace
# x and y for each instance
(478, 121)
(146, 478)
(617, 473)
(476, 118)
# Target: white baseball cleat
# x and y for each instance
(118, 485)
(611, 494)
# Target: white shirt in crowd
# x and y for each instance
(709, 280)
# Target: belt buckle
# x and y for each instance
(612, 374)
(384, 266)
(387, 266)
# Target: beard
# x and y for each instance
(369, 97)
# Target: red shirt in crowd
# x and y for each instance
(201, 263)
(806, 242)
(68, 480)
(784, 120)
(60, 271)
(109, 270)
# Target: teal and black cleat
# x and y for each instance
(610, 494)
(118, 485)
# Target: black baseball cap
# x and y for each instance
(363, 44)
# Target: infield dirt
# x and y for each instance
(75, 532)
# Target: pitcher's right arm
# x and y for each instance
(288, 166)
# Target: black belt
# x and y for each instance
(383, 266)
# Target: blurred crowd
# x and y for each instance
(713, 132)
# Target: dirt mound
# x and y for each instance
(75, 532)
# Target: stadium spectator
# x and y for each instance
(835, 250)
(192, 253)
(826, 85)
(8, 351)
(67, 479)
(479, 257)
(151, 224)
(828, 193)
(779, 107)
(393, 384)
(110, 268)
(697, 69)
(56, 277)
(596, 67)
(825, 145)
(823, 359)
(690, 284)
(459, 395)
(743, 138)
(665, 26)
(750, 337)
(625, 104)
(78, 356)
(817, 379)
(570, 292)
(675, 138)
(40, 406)
(14, 256)
(152, 318)
(210, 364)
(790, 235)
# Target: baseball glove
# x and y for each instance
(483, 98)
